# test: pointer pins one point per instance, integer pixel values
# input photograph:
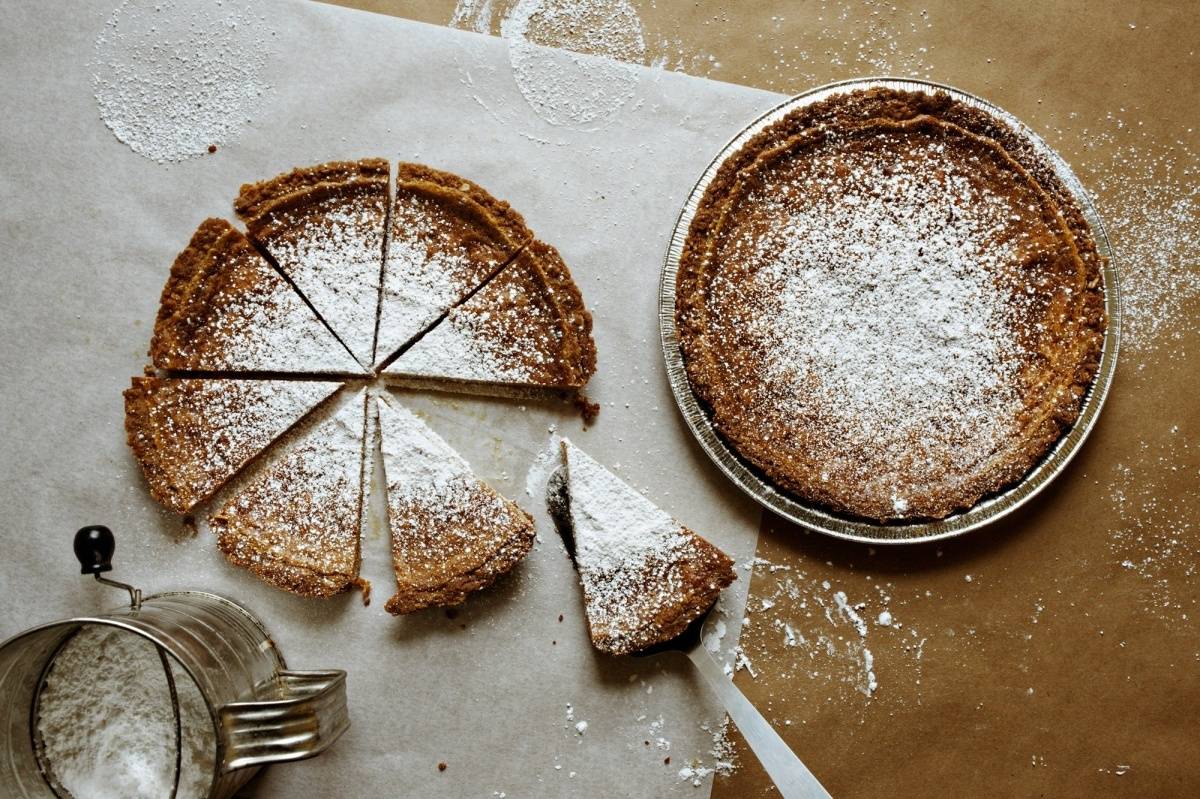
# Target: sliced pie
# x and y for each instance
(645, 576)
(296, 524)
(452, 534)
(324, 226)
(191, 436)
(448, 236)
(525, 332)
(224, 308)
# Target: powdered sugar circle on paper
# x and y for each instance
(572, 60)
(172, 81)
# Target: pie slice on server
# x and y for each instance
(191, 436)
(324, 226)
(452, 534)
(448, 235)
(645, 576)
(296, 524)
(225, 309)
(525, 332)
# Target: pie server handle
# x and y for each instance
(791, 776)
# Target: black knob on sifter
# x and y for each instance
(94, 546)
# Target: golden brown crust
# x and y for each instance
(1056, 374)
(300, 537)
(263, 559)
(196, 278)
(493, 551)
(578, 357)
(192, 436)
(477, 211)
(254, 199)
(703, 570)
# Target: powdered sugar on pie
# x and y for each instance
(191, 436)
(297, 523)
(451, 533)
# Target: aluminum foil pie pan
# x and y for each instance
(987, 510)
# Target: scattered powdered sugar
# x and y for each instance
(1150, 200)
(1156, 532)
(544, 464)
(106, 724)
(573, 60)
(876, 301)
(820, 638)
(721, 760)
(173, 79)
(332, 253)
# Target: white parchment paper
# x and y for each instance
(88, 232)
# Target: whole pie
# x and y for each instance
(889, 305)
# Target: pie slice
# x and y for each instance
(296, 525)
(645, 576)
(452, 534)
(448, 236)
(526, 332)
(226, 309)
(191, 436)
(324, 226)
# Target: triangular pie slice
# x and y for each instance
(448, 235)
(225, 309)
(190, 436)
(324, 226)
(524, 332)
(645, 576)
(452, 534)
(296, 524)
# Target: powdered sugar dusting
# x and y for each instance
(574, 61)
(444, 519)
(416, 459)
(502, 334)
(172, 81)
(875, 300)
(304, 508)
(255, 322)
(332, 253)
(203, 431)
(625, 546)
(423, 276)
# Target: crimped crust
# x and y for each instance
(191, 436)
(447, 237)
(578, 357)
(325, 227)
(1062, 342)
